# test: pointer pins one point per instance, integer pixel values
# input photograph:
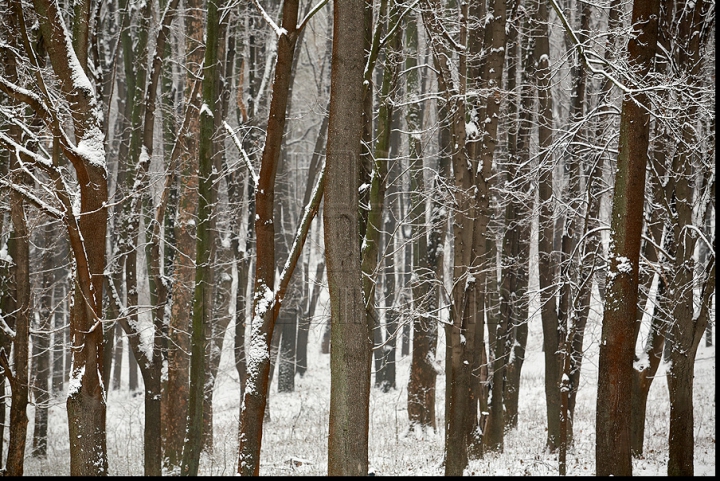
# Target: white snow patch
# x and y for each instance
(75, 382)
(206, 109)
(471, 130)
(624, 266)
(92, 147)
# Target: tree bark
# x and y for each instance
(263, 314)
(19, 381)
(41, 347)
(516, 244)
(351, 335)
(86, 396)
(176, 394)
(613, 418)
(202, 305)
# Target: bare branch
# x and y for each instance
(279, 31)
(310, 14)
(245, 157)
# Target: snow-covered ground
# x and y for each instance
(295, 439)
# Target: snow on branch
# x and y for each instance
(279, 31)
(310, 14)
(33, 199)
(245, 157)
(5, 328)
(710, 245)
(585, 55)
(309, 213)
(398, 23)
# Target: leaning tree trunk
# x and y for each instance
(304, 326)
(252, 410)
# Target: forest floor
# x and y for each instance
(295, 438)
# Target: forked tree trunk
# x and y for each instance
(263, 312)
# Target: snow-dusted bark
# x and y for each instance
(613, 418)
(266, 301)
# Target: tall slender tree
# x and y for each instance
(350, 333)
(613, 421)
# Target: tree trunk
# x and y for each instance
(19, 381)
(351, 335)
(117, 356)
(307, 316)
(551, 335)
(59, 317)
(86, 396)
(686, 32)
(176, 393)
(613, 419)
(263, 314)
(515, 276)
(41, 347)
(491, 77)
(202, 305)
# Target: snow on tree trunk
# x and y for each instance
(617, 343)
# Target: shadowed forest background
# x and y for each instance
(389, 236)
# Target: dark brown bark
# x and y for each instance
(263, 313)
(483, 148)
(686, 32)
(461, 341)
(613, 418)
(551, 335)
(19, 379)
(86, 397)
